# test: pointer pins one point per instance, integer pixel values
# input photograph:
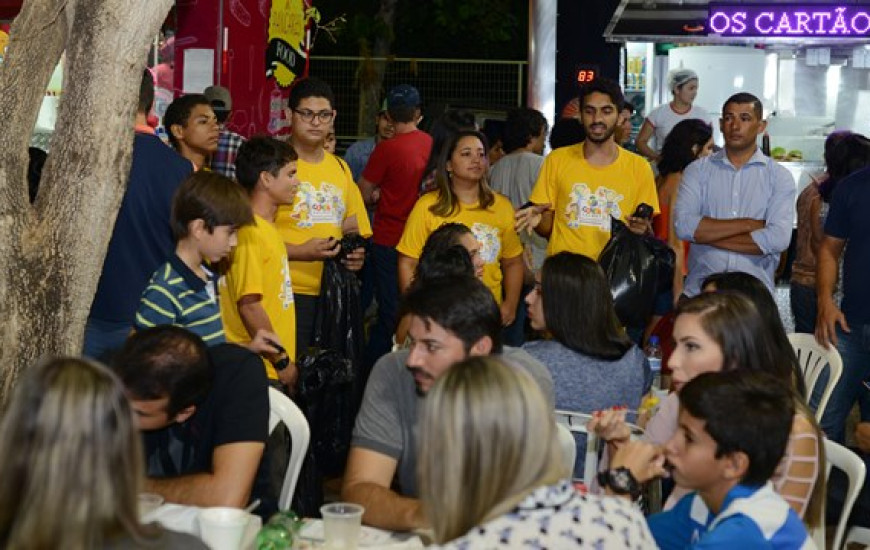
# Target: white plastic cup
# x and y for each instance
(342, 522)
(222, 528)
(148, 502)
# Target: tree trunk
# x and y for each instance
(53, 251)
(371, 72)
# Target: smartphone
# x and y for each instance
(643, 211)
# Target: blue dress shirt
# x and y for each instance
(712, 187)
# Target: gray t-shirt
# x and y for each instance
(514, 176)
(585, 384)
(387, 420)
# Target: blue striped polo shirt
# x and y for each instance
(177, 296)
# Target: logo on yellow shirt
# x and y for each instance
(490, 244)
(592, 208)
(324, 205)
(286, 293)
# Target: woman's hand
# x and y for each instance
(610, 426)
(508, 313)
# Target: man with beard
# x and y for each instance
(582, 186)
(450, 319)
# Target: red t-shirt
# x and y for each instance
(396, 166)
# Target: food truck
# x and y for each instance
(808, 61)
(253, 48)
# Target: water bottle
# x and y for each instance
(279, 533)
(654, 355)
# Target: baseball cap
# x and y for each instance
(220, 100)
(403, 95)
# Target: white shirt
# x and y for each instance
(663, 119)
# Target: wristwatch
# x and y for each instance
(621, 481)
(282, 363)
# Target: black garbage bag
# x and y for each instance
(324, 378)
(638, 267)
(331, 381)
(326, 391)
(339, 322)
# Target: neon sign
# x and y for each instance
(789, 20)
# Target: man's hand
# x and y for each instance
(826, 322)
(639, 226)
(376, 196)
(313, 250)
(527, 219)
(827, 266)
(862, 436)
(234, 468)
(710, 230)
(289, 375)
(367, 480)
(355, 260)
(264, 342)
(645, 460)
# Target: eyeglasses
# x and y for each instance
(308, 116)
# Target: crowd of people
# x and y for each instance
(491, 312)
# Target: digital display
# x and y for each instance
(789, 20)
(585, 76)
(586, 73)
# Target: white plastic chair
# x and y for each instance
(569, 447)
(813, 358)
(859, 535)
(576, 423)
(840, 457)
(283, 410)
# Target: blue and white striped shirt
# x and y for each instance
(177, 296)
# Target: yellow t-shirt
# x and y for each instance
(326, 197)
(493, 228)
(584, 197)
(258, 265)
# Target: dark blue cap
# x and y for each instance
(403, 95)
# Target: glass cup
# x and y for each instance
(342, 522)
(148, 502)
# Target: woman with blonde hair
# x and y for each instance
(71, 464)
(492, 472)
